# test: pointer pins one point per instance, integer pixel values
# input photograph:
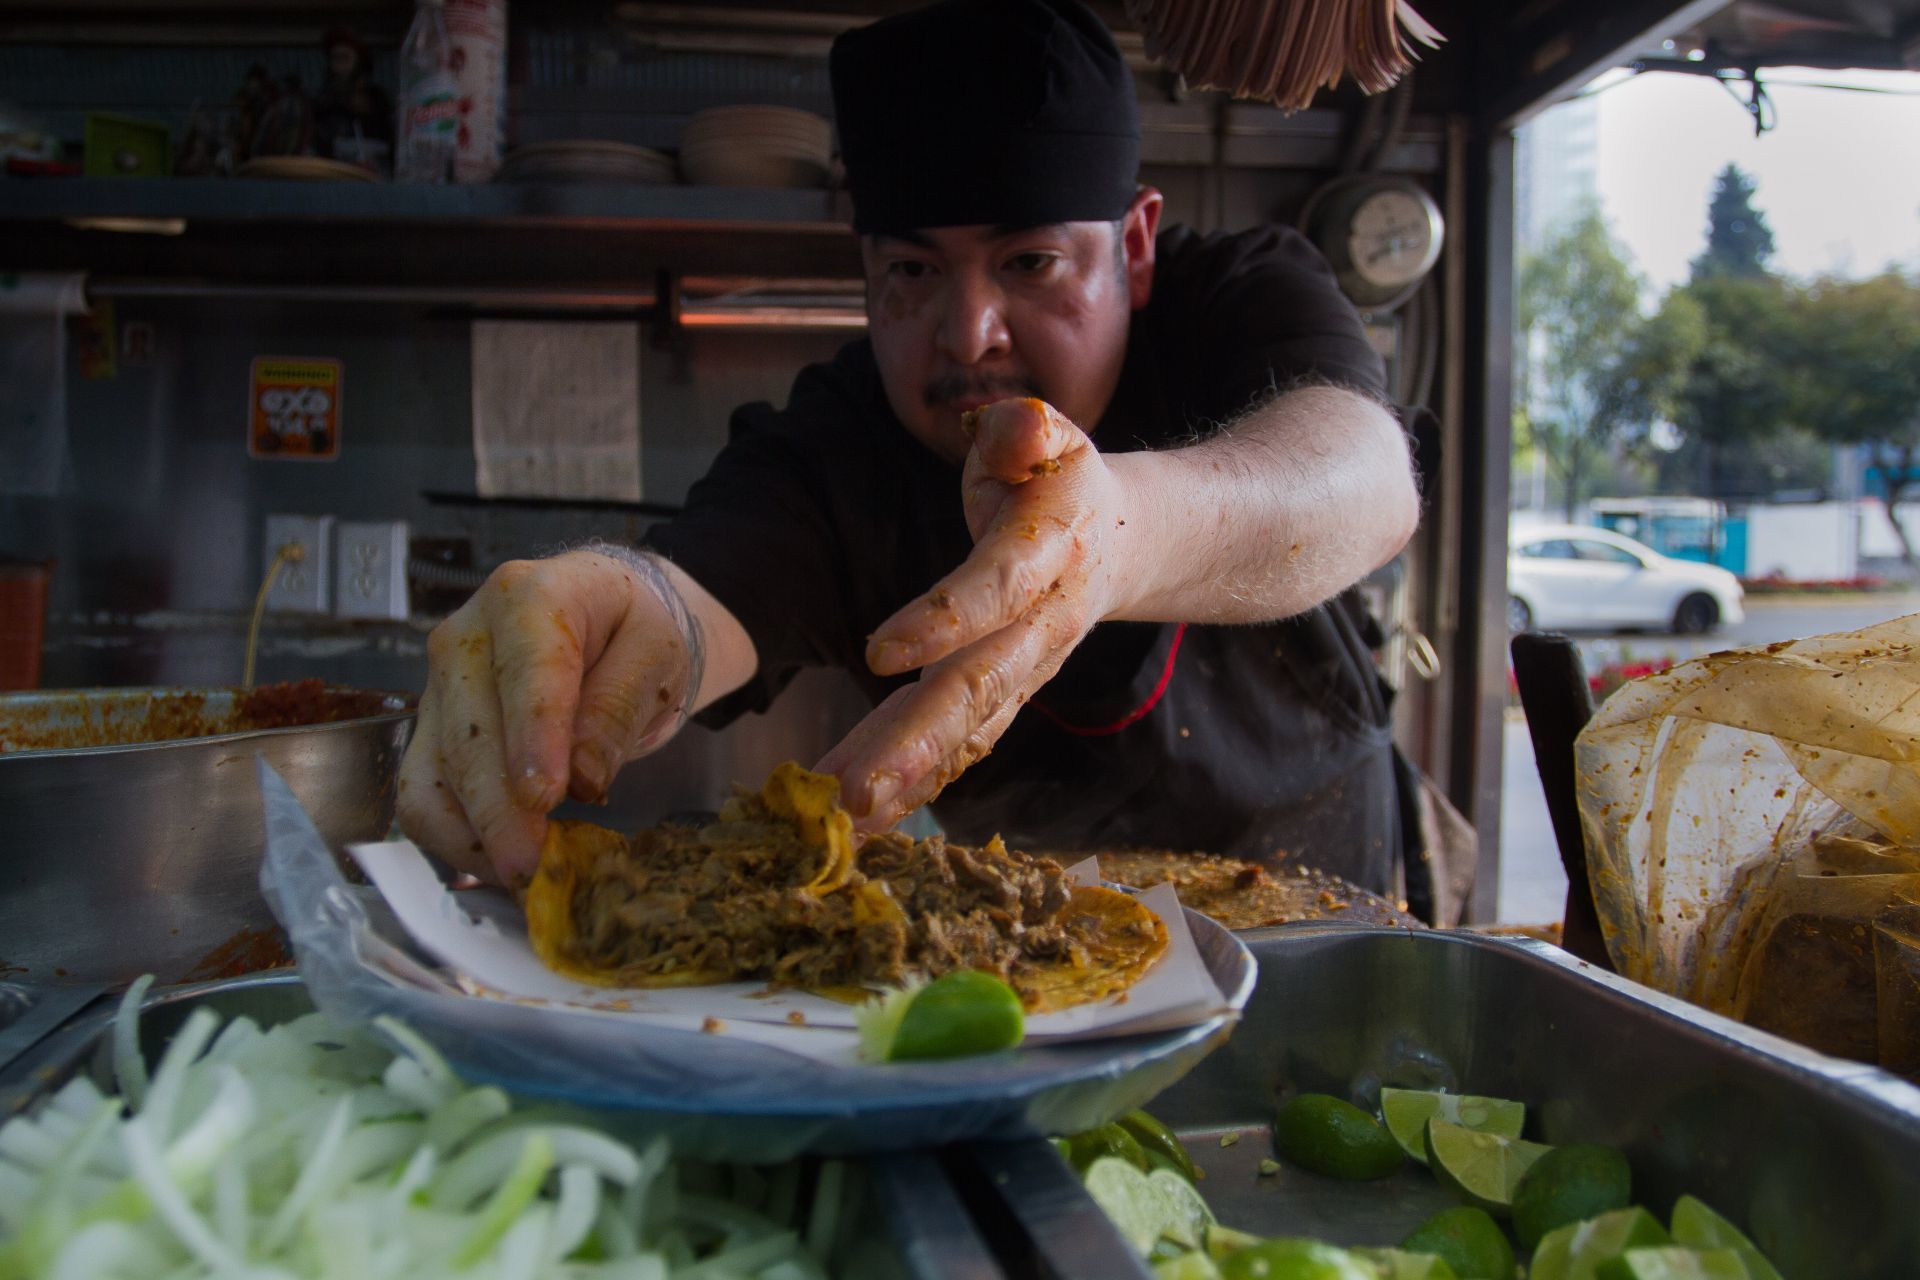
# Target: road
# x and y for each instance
(1533, 887)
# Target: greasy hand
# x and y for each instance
(542, 685)
(1046, 512)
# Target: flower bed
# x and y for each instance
(1815, 586)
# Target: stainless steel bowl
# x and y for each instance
(144, 857)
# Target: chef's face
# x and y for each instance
(963, 316)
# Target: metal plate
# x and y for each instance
(1031, 1091)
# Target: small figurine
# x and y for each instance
(352, 116)
(286, 128)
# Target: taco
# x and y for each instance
(779, 888)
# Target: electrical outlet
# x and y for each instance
(370, 571)
(302, 584)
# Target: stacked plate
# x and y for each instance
(304, 169)
(586, 162)
(756, 147)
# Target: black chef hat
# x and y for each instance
(997, 112)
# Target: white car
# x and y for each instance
(1582, 578)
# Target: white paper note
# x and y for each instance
(556, 409)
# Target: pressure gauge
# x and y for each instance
(1381, 234)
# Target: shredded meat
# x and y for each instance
(731, 897)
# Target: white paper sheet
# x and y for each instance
(481, 935)
(556, 409)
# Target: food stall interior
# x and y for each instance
(158, 523)
(155, 519)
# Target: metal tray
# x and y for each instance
(1818, 1158)
(919, 1227)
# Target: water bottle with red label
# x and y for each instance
(429, 105)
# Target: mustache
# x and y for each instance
(960, 386)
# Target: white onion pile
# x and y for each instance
(306, 1150)
(1283, 51)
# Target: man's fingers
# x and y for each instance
(978, 745)
(535, 652)
(910, 735)
(1019, 440)
(1009, 571)
(427, 810)
(472, 762)
(637, 687)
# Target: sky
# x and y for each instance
(1838, 178)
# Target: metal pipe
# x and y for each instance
(835, 311)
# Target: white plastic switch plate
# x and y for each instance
(302, 585)
(370, 570)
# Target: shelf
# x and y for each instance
(242, 199)
(408, 234)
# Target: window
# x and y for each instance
(1606, 553)
(1556, 549)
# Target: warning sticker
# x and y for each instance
(293, 411)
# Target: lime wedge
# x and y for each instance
(1138, 1207)
(1699, 1227)
(1483, 1167)
(1468, 1239)
(1222, 1241)
(1399, 1264)
(1671, 1262)
(1188, 1266)
(1407, 1111)
(957, 1014)
(1295, 1258)
(1190, 1218)
(1575, 1252)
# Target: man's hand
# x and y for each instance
(1048, 518)
(542, 685)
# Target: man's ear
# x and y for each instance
(1137, 231)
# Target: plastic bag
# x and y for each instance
(1752, 821)
(726, 1099)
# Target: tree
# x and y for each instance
(1598, 373)
(1738, 240)
(1855, 377)
(1731, 393)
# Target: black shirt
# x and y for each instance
(818, 521)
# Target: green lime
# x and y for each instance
(1187, 1225)
(1468, 1240)
(1575, 1251)
(1407, 1111)
(1699, 1227)
(1222, 1241)
(957, 1014)
(1330, 1135)
(1161, 1144)
(1399, 1264)
(1294, 1258)
(1082, 1149)
(1569, 1184)
(1139, 1209)
(1188, 1266)
(1671, 1262)
(1483, 1167)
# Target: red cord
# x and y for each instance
(1153, 699)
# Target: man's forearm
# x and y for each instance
(1281, 510)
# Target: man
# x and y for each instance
(1139, 630)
